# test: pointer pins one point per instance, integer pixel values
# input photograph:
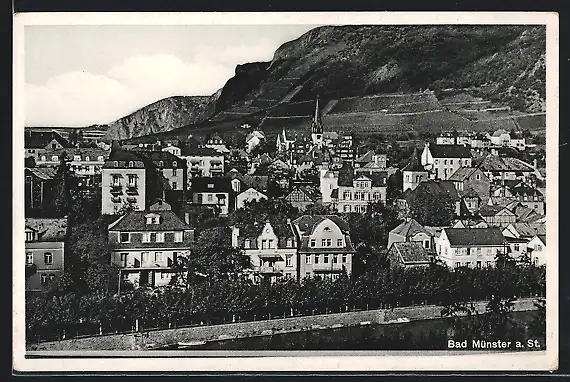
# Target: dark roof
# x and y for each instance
(487, 210)
(524, 190)
(438, 187)
(166, 157)
(220, 184)
(530, 229)
(44, 173)
(474, 236)
(496, 163)
(414, 162)
(304, 190)
(542, 238)
(334, 193)
(409, 228)
(92, 153)
(259, 182)
(48, 229)
(40, 139)
(450, 151)
(199, 151)
(123, 157)
(462, 173)
(252, 229)
(135, 221)
(411, 252)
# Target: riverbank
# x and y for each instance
(164, 338)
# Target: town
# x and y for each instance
(323, 205)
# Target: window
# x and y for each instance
(146, 237)
(263, 243)
(210, 185)
(158, 257)
(334, 259)
(132, 180)
(326, 259)
(339, 243)
(457, 251)
(29, 236)
(161, 164)
(289, 261)
(313, 242)
(445, 161)
(346, 195)
(246, 243)
(426, 244)
(308, 274)
(43, 158)
(144, 257)
(323, 242)
(478, 265)
(478, 251)
(468, 264)
(178, 237)
(344, 258)
(517, 247)
(116, 180)
(174, 185)
(376, 196)
(458, 264)
(160, 237)
(346, 208)
(124, 258)
(100, 159)
(289, 243)
(539, 247)
(210, 197)
(54, 158)
(29, 258)
(125, 237)
(477, 176)
(48, 258)
(317, 258)
(487, 264)
(174, 172)
(153, 237)
(44, 279)
(307, 259)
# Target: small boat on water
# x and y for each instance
(191, 343)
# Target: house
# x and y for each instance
(500, 138)
(470, 247)
(437, 188)
(146, 245)
(301, 197)
(524, 214)
(517, 247)
(517, 141)
(216, 142)
(284, 143)
(213, 192)
(271, 248)
(443, 160)
(254, 139)
(171, 167)
(37, 142)
(536, 249)
(529, 197)
(203, 161)
(411, 231)
(328, 181)
(251, 194)
(174, 150)
(125, 175)
(470, 202)
(504, 168)
(342, 147)
(524, 230)
(413, 173)
(409, 255)
(469, 178)
(45, 249)
(370, 157)
(355, 192)
(243, 182)
(324, 248)
(446, 138)
(39, 185)
(497, 216)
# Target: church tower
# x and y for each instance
(317, 126)
(413, 173)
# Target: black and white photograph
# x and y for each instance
(351, 192)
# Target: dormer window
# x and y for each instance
(152, 219)
(54, 158)
(161, 164)
(210, 185)
(116, 163)
(174, 164)
(77, 158)
(327, 229)
(100, 159)
(87, 159)
(290, 243)
(131, 164)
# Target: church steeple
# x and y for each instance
(317, 126)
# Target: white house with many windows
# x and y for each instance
(470, 247)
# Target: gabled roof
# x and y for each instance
(48, 229)
(524, 213)
(44, 173)
(493, 210)
(542, 238)
(528, 229)
(259, 182)
(411, 252)
(366, 157)
(40, 139)
(459, 237)
(462, 173)
(123, 157)
(192, 151)
(218, 184)
(304, 190)
(165, 157)
(135, 221)
(449, 151)
(495, 163)
(409, 228)
(414, 162)
(438, 187)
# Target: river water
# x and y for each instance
(414, 335)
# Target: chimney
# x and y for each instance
(535, 164)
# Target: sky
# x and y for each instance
(86, 74)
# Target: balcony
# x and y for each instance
(132, 190)
(131, 199)
(116, 199)
(116, 189)
(269, 254)
(270, 270)
(327, 267)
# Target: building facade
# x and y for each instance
(203, 162)
(147, 245)
(443, 160)
(124, 179)
(213, 192)
(45, 252)
(470, 247)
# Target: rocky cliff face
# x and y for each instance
(164, 115)
(340, 61)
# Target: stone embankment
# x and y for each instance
(163, 338)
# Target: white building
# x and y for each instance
(470, 247)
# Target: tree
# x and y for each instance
(30, 162)
(432, 210)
